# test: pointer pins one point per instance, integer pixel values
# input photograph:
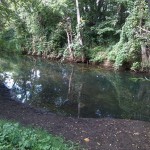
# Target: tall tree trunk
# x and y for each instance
(145, 49)
(78, 23)
(145, 57)
(69, 45)
(79, 37)
(68, 29)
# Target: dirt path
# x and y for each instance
(103, 134)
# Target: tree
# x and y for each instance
(75, 30)
(128, 50)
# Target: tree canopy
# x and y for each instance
(79, 30)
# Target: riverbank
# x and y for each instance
(105, 134)
(105, 63)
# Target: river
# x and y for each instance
(76, 90)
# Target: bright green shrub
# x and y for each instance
(15, 137)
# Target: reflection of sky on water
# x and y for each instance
(9, 81)
(18, 92)
(35, 74)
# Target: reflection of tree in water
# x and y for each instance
(23, 78)
(133, 97)
(77, 90)
(98, 95)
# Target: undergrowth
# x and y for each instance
(15, 137)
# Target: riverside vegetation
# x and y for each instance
(100, 31)
(13, 136)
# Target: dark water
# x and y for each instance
(76, 90)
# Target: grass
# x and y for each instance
(15, 137)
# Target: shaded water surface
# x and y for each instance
(76, 90)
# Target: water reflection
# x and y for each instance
(73, 90)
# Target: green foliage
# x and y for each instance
(13, 136)
(98, 54)
(42, 26)
(136, 66)
(128, 48)
(8, 41)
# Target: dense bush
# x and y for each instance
(128, 49)
(13, 136)
(56, 30)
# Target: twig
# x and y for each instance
(144, 29)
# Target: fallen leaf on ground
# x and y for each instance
(137, 133)
(86, 139)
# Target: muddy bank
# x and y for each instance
(103, 134)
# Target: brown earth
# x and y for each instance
(101, 134)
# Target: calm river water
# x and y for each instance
(76, 90)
